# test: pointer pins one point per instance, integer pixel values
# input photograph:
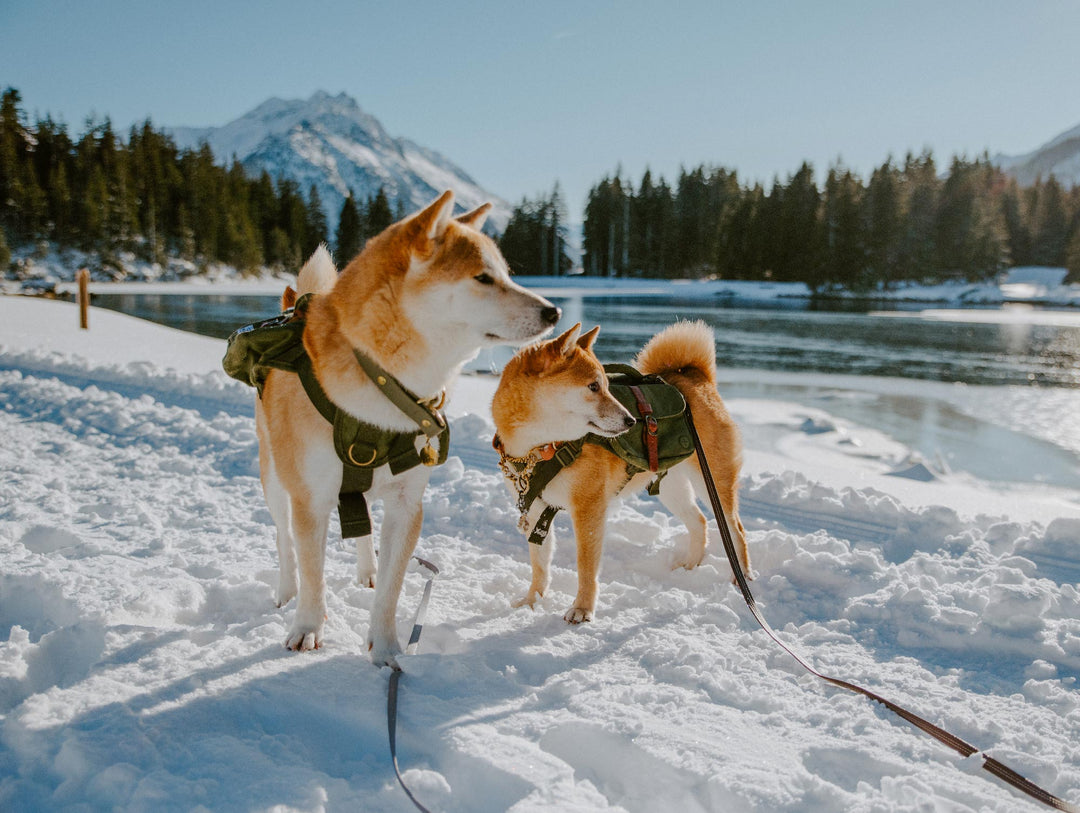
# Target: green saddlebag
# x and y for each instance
(673, 438)
(277, 343)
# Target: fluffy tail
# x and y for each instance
(318, 274)
(678, 347)
(685, 354)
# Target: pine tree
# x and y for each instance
(316, 230)
(349, 237)
(1017, 224)
(12, 152)
(883, 215)
(1050, 228)
(378, 215)
(920, 190)
(800, 236)
(845, 240)
(1072, 258)
(5, 252)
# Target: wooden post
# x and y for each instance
(84, 298)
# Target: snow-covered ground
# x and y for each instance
(141, 657)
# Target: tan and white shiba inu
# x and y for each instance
(421, 299)
(558, 391)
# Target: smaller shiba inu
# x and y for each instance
(557, 392)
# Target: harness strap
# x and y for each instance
(359, 464)
(965, 749)
(649, 430)
(425, 416)
(543, 525)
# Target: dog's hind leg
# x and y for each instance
(729, 501)
(677, 495)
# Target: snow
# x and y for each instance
(141, 657)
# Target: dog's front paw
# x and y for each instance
(385, 656)
(365, 574)
(528, 600)
(306, 632)
(578, 615)
(384, 650)
(302, 639)
(686, 562)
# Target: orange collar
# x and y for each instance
(545, 452)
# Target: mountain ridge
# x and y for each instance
(1060, 157)
(332, 143)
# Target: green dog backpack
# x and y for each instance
(661, 437)
(277, 343)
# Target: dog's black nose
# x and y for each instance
(629, 421)
(550, 314)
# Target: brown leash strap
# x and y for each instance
(648, 432)
(963, 748)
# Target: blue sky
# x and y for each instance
(522, 94)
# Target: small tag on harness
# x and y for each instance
(543, 525)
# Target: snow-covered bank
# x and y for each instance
(55, 271)
(141, 659)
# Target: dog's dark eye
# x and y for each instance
(594, 387)
(485, 279)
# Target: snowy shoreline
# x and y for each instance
(1035, 285)
(1013, 290)
(141, 664)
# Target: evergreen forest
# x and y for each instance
(105, 195)
(910, 222)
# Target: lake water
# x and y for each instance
(979, 347)
(1017, 418)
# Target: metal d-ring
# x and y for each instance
(356, 462)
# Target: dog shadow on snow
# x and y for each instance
(303, 730)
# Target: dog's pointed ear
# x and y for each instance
(432, 222)
(288, 299)
(476, 217)
(585, 341)
(564, 345)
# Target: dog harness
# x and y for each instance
(662, 440)
(278, 344)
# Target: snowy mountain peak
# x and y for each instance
(332, 143)
(1060, 157)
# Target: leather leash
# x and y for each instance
(965, 749)
(395, 678)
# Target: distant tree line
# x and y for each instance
(359, 221)
(534, 242)
(104, 195)
(909, 222)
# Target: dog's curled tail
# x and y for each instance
(677, 347)
(318, 274)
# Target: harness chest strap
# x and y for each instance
(363, 447)
(534, 472)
